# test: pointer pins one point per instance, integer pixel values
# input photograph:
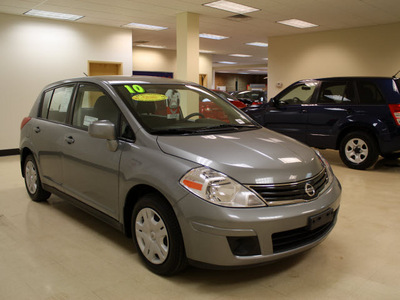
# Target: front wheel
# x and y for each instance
(32, 181)
(157, 235)
(358, 150)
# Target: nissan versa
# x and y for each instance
(190, 177)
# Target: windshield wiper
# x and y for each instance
(227, 127)
(174, 131)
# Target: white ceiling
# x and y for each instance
(328, 14)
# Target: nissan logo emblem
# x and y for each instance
(310, 191)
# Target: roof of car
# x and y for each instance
(349, 77)
(118, 79)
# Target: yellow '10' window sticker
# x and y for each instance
(149, 97)
(134, 89)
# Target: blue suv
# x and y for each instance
(359, 116)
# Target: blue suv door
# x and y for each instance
(335, 104)
(289, 114)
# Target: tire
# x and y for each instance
(32, 181)
(358, 150)
(157, 236)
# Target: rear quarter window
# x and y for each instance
(369, 93)
(45, 104)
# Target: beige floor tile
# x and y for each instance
(55, 251)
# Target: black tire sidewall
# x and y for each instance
(373, 151)
(176, 259)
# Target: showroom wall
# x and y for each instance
(35, 52)
(366, 51)
(161, 60)
(241, 81)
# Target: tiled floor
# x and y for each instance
(55, 251)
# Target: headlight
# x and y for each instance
(219, 189)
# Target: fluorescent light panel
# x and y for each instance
(152, 46)
(52, 15)
(145, 26)
(297, 23)
(227, 62)
(212, 36)
(257, 44)
(206, 51)
(240, 55)
(232, 7)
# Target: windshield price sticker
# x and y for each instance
(149, 97)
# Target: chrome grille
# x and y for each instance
(294, 192)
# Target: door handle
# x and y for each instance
(303, 111)
(36, 129)
(70, 140)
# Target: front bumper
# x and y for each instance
(234, 237)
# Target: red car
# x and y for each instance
(232, 99)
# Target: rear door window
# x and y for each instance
(339, 93)
(59, 103)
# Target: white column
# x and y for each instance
(187, 48)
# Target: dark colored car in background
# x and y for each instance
(255, 97)
(359, 116)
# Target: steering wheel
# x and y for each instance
(193, 115)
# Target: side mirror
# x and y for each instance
(274, 102)
(104, 129)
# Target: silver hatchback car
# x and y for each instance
(190, 177)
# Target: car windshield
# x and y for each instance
(164, 109)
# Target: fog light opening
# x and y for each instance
(244, 246)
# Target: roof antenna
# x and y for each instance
(88, 76)
(394, 76)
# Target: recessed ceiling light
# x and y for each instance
(257, 70)
(212, 36)
(144, 26)
(52, 15)
(297, 23)
(227, 62)
(232, 7)
(257, 44)
(152, 46)
(206, 51)
(240, 55)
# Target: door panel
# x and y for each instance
(48, 132)
(47, 137)
(290, 115)
(335, 103)
(90, 168)
(290, 120)
(91, 171)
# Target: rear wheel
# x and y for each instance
(157, 235)
(358, 150)
(32, 181)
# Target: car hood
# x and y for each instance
(251, 157)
